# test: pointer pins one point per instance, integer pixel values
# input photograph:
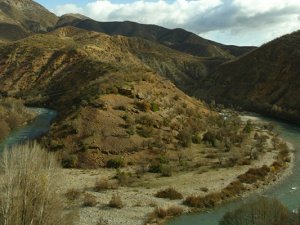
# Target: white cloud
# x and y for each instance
(68, 8)
(243, 22)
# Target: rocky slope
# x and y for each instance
(178, 39)
(266, 80)
(109, 101)
(112, 106)
(19, 18)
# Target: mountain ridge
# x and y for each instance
(265, 80)
(18, 21)
(178, 38)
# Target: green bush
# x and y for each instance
(115, 163)
(155, 167)
(249, 127)
(154, 107)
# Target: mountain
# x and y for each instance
(266, 80)
(109, 101)
(20, 18)
(178, 39)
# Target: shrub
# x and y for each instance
(123, 177)
(155, 167)
(154, 107)
(210, 138)
(104, 184)
(259, 212)
(73, 194)
(162, 213)
(169, 193)
(254, 174)
(174, 211)
(115, 163)
(166, 170)
(143, 106)
(249, 127)
(147, 121)
(70, 161)
(185, 138)
(116, 202)
(89, 200)
(29, 185)
(196, 139)
(146, 132)
(4, 129)
(208, 201)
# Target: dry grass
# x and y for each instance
(89, 200)
(28, 185)
(162, 213)
(73, 194)
(13, 114)
(103, 184)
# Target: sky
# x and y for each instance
(237, 22)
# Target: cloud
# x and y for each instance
(69, 8)
(242, 22)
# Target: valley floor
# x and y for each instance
(139, 199)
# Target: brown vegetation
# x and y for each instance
(163, 213)
(116, 202)
(29, 183)
(211, 200)
(13, 114)
(169, 193)
(89, 200)
(259, 212)
(254, 174)
(73, 194)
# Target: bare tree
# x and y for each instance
(28, 188)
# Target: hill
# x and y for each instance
(19, 18)
(178, 39)
(265, 80)
(111, 104)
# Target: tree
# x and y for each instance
(263, 211)
(28, 188)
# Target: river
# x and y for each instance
(38, 127)
(282, 191)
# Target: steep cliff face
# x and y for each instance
(19, 18)
(266, 80)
